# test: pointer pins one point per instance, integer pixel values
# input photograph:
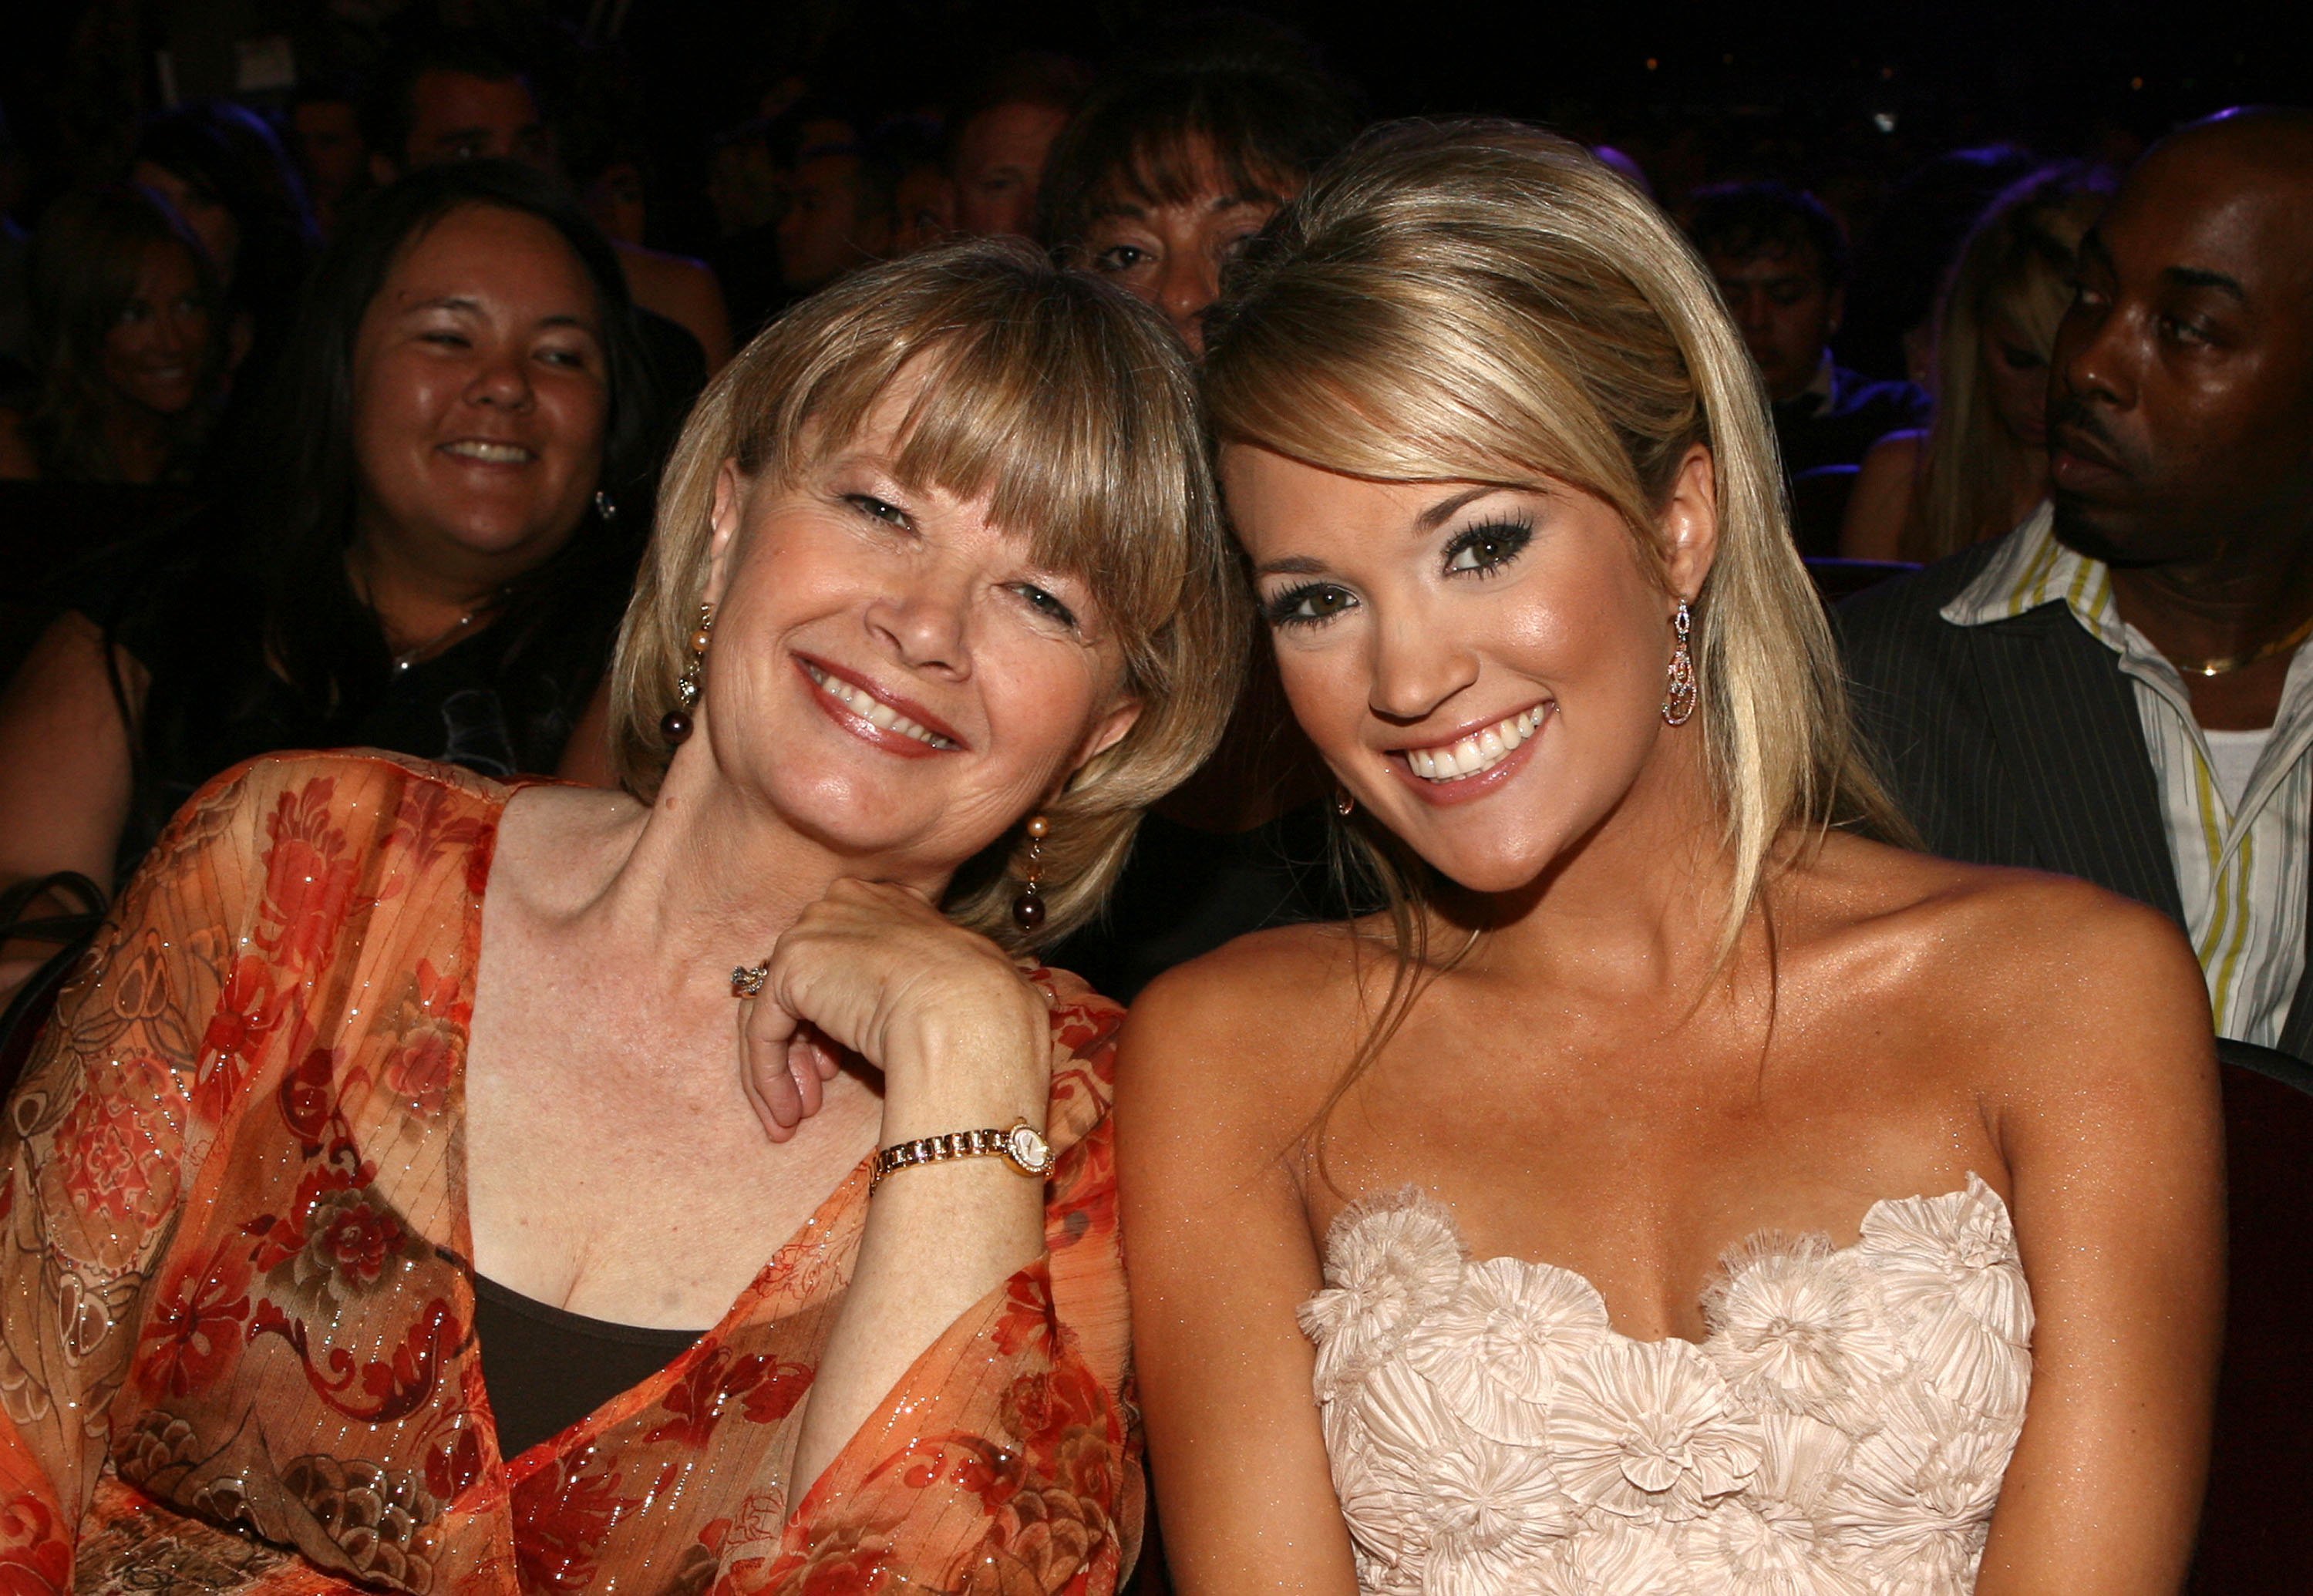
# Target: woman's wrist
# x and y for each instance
(977, 1066)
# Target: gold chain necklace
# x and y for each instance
(2234, 662)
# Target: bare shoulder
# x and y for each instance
(1260, 1022)
(2040, 967)
(1895, 452)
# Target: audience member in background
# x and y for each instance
(609, 175)
(2118, 689)
(1906, 253)
(429, 553)
(1780, 260)
(923, 197)
(1175, 161)
(838, 217)
(750, 171)
(1166, 172)
(1001, 135)
(325, 136)
(223, 171)
(453, 96)
(129, 349)
(1982, 466)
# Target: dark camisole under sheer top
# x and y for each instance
(545, 1368)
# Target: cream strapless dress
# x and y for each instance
(1841, 1432)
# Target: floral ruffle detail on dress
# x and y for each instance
(1842, 1429)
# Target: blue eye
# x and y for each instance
(1485, 549)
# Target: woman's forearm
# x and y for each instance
(940, 1236)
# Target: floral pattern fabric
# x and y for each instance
(1841, 1432)
(237, 1347)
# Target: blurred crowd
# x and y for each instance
(330, 410)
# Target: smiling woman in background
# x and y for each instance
(129, 345)
(429, 554)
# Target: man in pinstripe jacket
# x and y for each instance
(2117, 689)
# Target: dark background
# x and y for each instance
(1842, 98)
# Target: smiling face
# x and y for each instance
(155, 351)
(891, 670)
(1172, 253)
(480, 396)
(1482, 668)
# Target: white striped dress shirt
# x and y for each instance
(2241, 871)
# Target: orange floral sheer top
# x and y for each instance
(237, 1347)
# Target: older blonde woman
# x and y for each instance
(384, 1204)
(1688, 1196)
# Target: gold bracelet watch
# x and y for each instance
(1023, 1147)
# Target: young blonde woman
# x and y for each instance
(1679, 1193)
(1978, 472)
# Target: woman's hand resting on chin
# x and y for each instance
(961, 1036)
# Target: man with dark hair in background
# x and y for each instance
(332, 153)
(838, 215)
(2120, 688)
(452, 94)
(1001, 133)
(1782, 260)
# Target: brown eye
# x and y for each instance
(1310, 605)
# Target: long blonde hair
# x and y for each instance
(2016, 266)
(1484, 301)
(1072, 405)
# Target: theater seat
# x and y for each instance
(1818, 505)
(2256, 1527)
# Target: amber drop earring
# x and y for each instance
(674, 726)
(1028, 908)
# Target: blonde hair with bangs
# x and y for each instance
(1484, 302)
(1071, 406)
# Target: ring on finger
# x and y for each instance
(747, 980)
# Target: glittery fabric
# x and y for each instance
(236, 1318)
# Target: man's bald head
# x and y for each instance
(2180, 408)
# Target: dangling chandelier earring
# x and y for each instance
(674, 726)
(1028, 908)
(1679, 696)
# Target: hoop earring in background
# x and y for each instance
(1679, 696)
(1028, 908)
(605, 506)
(674, 726)
(1344, 805)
